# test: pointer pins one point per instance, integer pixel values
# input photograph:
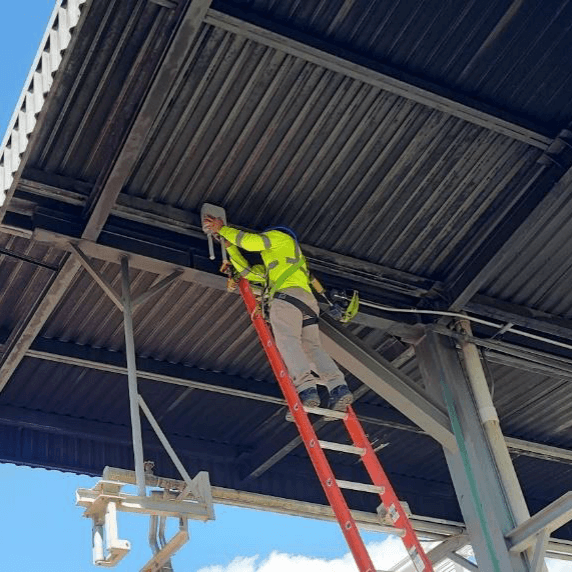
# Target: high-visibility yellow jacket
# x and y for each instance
(279, 253)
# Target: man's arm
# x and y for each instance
(250, 241)
(253, 273)
(215, 225)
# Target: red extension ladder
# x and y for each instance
(361, 446)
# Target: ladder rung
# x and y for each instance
(343, 448)
(360, 487)
(326, 412)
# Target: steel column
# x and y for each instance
(132, 377)
(479, 489)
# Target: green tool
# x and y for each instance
(342, 307)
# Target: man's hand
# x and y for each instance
(212, 225)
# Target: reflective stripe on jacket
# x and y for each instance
(279, 252)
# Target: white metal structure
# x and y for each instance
(178, 499)
(190, 498)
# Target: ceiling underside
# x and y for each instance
(421, 152)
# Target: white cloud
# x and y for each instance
(385, 555)
(559, 565)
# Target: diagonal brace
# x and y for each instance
(551, 517)
(387, 381)
(97, 276)
(165, 442)
(461, 561)
(156, 288)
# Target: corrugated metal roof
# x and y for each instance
(275, 139)
(503, 52)
(539, 273)
(26, 268)
(112, 62)
(354, 169)
(186, 323)
(532, 406)
(63, 20)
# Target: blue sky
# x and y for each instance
(43, 531)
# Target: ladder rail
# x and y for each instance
(309, 437)
(381, 484)
(389, 498)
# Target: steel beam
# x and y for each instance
(433, 528)
(543, 200)
(437, 554)
(515, 356)
(192, 17)
(267, 455)
(185, 223)
(391, 322)
(538, 450)
(530, 318)
(474, 473)
(388, 382)
(550, 518)
(307, 48)
(540, 551)
(193, 378)
(200, 379)
(132, 376)
(168, 72)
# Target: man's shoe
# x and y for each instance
(340, 398)
(309, 398)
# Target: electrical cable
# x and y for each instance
(472, 319)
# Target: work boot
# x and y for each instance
(340, 398)
(309, 398)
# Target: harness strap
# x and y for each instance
(310, 317)
(284, 276)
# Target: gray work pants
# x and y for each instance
(300, 347)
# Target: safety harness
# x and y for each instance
(309, 317)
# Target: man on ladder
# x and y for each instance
(293, 307)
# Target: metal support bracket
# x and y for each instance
(107, 549)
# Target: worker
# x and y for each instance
(293, 307)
